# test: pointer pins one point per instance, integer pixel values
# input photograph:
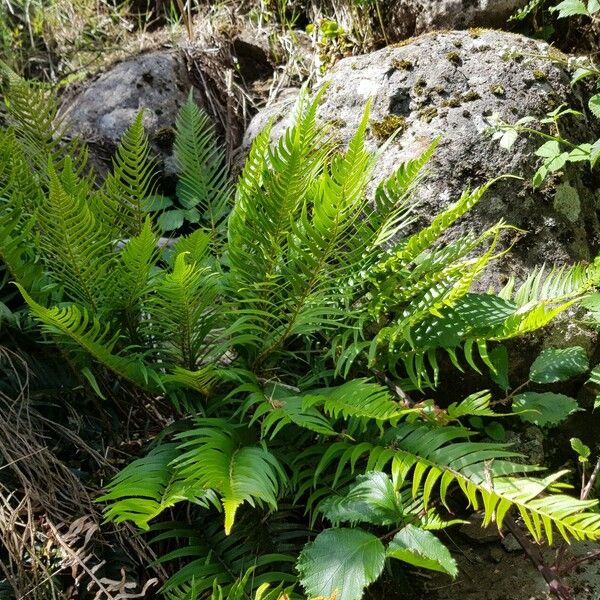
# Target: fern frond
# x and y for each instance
(203, 179)
(121, 197)
(215, 457)
(434, 459)
(183, 311)
(357, 398)
(32, 111)
(147, 486)
(220, 559)
(75, 246)
(77, 325)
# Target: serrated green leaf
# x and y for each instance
(559, 364)
(582, 450)
(171, 219)
(550, 149)
(342, 562)
(581, 153)
(372, 499)
(569, 8)
(543, 409)
(422, 549)
(594, 105)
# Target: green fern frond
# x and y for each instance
(121, 197)
(147, 486)
(218, 559)
(434, 459)
(76, 248)
(32, 111)
(183, 311)
(77, 325)
(357, 398)
(203, 179)
(215, 457)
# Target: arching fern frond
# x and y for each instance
(217, 560)
(149, 485)
(215, 457)
(82, 330)
(434, 458)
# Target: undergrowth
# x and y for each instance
(297, 329)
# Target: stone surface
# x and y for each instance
(405, 18)
(157, 81)
(447, 84)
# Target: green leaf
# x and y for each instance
(509, 137)
(594, 105)
(550, 149)
(543, 409)
(499, 358)
(569, 8)
(495, 431)
(422, 549)
(373, 499)
(581, 153)
(156, 202)
(582, 450)
(582, 73)
(171, 219)
(341, 561)
(593, 6)
(559, 364)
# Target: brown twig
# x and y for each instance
(585, 492)
(559, 589)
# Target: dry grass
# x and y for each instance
(51, 544)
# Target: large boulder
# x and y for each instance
(447, 84)
(158, 82)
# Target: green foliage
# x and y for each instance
(343, 561)
(422, 549)
(559, 364)
(286, 333)
(543, 409)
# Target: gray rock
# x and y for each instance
(410, 17)
(158, 82)
(510, 544)
(403, 19)
(446, 84)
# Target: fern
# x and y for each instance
(148, 486)
(125, 190)
(289, 331)
(216, 459)
(203, 183)
(434, 460)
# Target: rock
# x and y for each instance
(446, 84)
(474, 530)
(158, 82)
(403, 19)
(412, 17)
(510, 544)
(496, 554)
